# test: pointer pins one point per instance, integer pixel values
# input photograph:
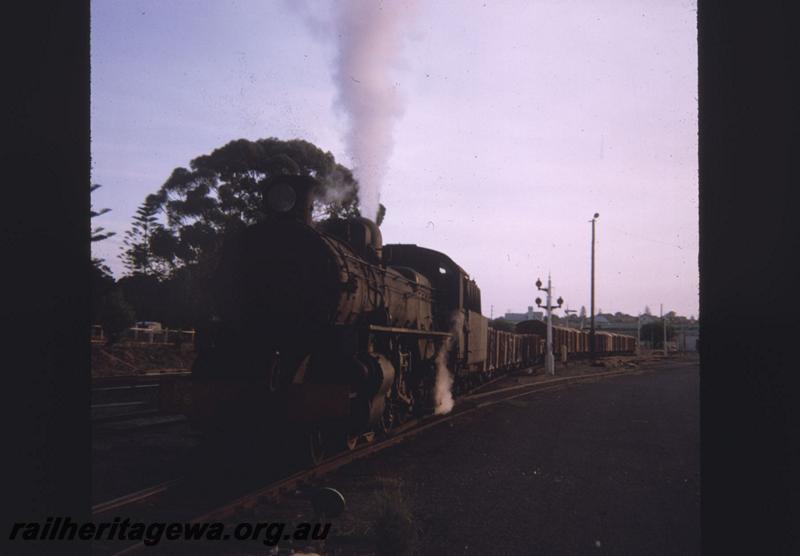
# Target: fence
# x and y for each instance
(148, 336)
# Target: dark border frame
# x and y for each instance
(749, 156)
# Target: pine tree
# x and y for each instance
(99, 234)
(138, 254)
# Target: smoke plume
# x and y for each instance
(335, 189)
(368, 36)
(443, 388)
(369, 40)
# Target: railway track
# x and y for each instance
(478, 399)
(129, 397)
(132, 498)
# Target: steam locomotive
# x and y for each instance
(323, 329)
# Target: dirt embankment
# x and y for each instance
(133, 359)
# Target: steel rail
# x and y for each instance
(402, 433)
(139, 495)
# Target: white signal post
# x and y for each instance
(549, 362)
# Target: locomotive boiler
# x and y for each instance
(324, 334)
(327, 331)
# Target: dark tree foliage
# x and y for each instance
(182, 301)
(654, 332)
(189, 297)
(116, 315)
(147, 295)
(100, 284)
(99, 234)
(172, 247)
(144, 242)
(223, 190)
(503, 324)
(100, 279)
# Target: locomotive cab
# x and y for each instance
(445, 276)
(457, 300)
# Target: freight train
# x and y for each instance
(322, 329)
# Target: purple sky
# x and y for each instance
(515, 122)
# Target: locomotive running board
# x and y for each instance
(410, 331)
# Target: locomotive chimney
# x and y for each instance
(290, 196)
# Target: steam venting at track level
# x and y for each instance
(443, 389)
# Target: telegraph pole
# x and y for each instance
(638, 335)
(549, 362)
(664, 327)
(591, 331)
(683, 336)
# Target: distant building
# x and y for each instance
(686, 331)
(601, 320)
(620, 323)
(519, 317)
(647, 319)
(687, 336)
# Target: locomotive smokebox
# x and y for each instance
(279, 276)
(290, 197)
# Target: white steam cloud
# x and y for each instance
(335, 188)
(369, 39)
(443, 388)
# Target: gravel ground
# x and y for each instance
(126, 359)
(123, 462)
(129, 460)
(608, 467)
